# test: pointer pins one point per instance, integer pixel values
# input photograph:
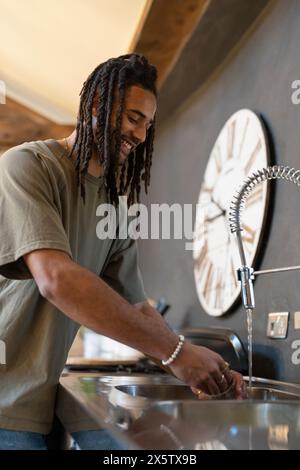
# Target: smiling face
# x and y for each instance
(139, 111)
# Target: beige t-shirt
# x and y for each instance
(40, 207)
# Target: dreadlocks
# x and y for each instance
(114, 75)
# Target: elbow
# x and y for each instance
(48, 268)
(46, 289)
(48, 285)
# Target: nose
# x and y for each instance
(140, 133)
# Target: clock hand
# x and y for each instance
(216, 216)
(218, 205)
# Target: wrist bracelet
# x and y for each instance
(175, 353)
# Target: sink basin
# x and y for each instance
(158, 391)
(159, 412)
(271, 394)
(232, 425)
(172, 392)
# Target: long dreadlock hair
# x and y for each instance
(109, 78)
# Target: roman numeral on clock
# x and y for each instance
(230, 139)
(253, 157)
(255, 196)
(248, 234)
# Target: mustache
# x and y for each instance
(113, 141)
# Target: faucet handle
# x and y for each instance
(246, 276)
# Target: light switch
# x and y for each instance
(278, 325)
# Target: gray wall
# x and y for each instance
(257, 74)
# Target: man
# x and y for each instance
(56, 274)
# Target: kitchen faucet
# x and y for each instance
(246, 274)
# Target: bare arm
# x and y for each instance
(88, 300)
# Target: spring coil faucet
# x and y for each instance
(246, 274)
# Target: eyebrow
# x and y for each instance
(142, 115)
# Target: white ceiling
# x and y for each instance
(49, 47)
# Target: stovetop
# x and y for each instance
(144, 366)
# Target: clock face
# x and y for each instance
(239, 150)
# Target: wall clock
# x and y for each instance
(240, 148)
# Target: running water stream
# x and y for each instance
(249, 325)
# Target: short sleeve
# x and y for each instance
(29, 216)
(122, 272)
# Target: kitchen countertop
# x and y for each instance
(91, 401)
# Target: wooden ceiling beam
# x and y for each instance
(167, 26)
(20, 124)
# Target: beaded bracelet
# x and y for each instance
(175, 353)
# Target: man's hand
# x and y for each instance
(238, 390)
(199, 367)
(240, 386)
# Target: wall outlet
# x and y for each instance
(277, 325)
(297, 321)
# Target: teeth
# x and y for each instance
(129, 146)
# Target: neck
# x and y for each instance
(94, 168)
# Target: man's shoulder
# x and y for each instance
(18, 153)
(17, 157)
(32, 157)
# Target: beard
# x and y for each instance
(123, 153)
(112, 144)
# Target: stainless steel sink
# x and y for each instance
(271, 394)
(226, 425)
(158, 391)
(151, 412)
(265, 391)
